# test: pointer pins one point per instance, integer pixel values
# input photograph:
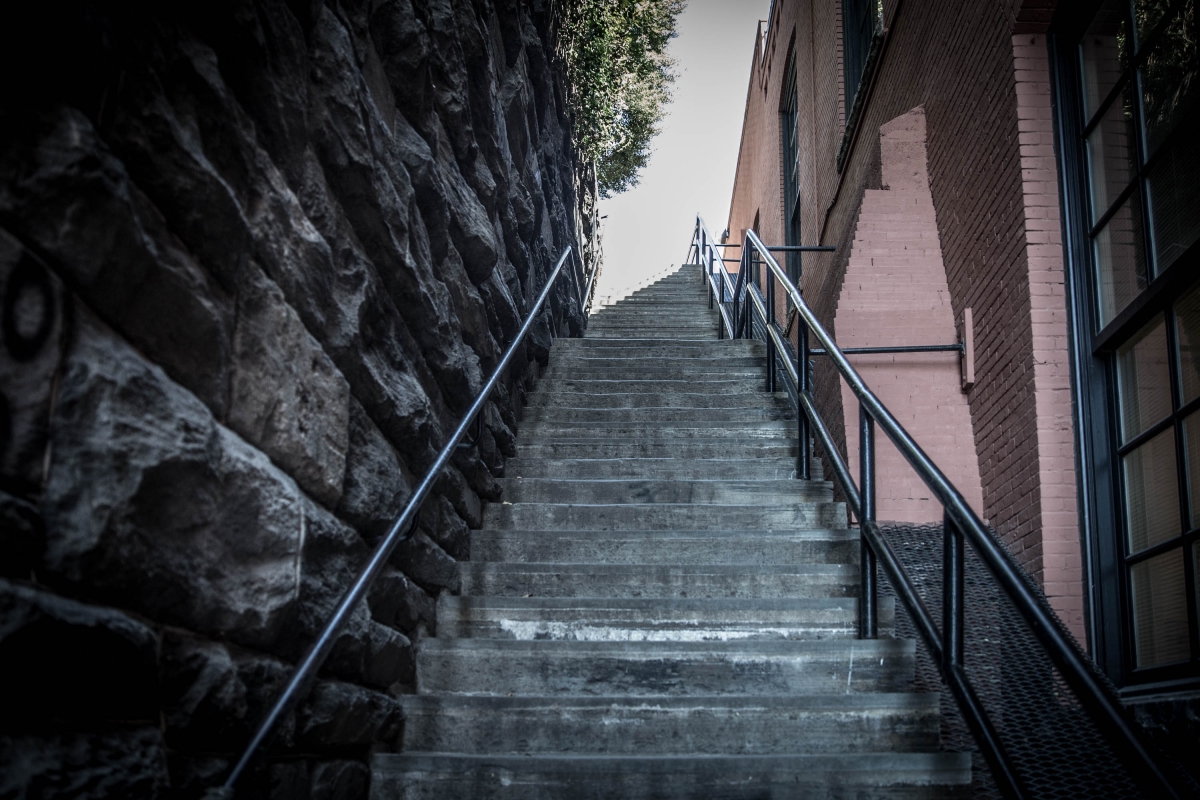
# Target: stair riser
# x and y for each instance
(699, 348)
(511, 580)
(574, 361)
(661, 468)
(415, 777)
(657, 334)
(692, 430)
(664, 449)
(651, 371)
(605, 727)
(659, 399)
(590, 620)
(651, 318)
(682, 416)
(619, 386)
(519, 490)
(638, 669)
(647, 548)
(558, 517)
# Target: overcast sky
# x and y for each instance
(693, 161)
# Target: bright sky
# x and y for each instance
(694, 157)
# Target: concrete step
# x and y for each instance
(640, 669)
(658, 448)
(675, 301)
(699, 346)
(862, 776)
(609, 416)
(692, 430)
(662, 516)
(551, 490)
(593, 619)
(653, 316)
(667, 547)
(511, 579)
(651, 468)
(660, 348)
(704, 363)
(557, 398)
(650, 369)
(655, 323)
(661, 334)
(768, 725)
(755, 377)
(650, 386)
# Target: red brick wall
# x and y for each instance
(956, 60)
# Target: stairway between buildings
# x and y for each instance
(659, 608)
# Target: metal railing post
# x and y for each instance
(868, 627)
(803, 378)
(952, 593)
(770, 342)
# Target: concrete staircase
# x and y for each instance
(659, 609)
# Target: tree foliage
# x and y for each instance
(619, 79)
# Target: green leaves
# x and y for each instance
(619, 78)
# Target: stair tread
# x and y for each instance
(659, 608)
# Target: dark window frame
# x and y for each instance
(1094, 347)
(859, 24)
(789, 118)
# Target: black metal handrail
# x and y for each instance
(403, 528)
(959, 523)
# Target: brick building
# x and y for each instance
(1017, 172)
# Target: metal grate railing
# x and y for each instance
(1045, 721)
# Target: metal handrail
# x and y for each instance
(960, 522)
(401, 530)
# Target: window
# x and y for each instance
(790, 120)
(1129, 113)
(858, 26)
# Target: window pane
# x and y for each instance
(1195, 573)
(1104, 53)
(1187, 334)
(1120, 260)
(1169, 85)
(1160, 626)
(1144, 379)
(1191, 458)
(1152, 493)
(1175, 202)
(1112, 152)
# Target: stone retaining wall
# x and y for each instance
(257, 258)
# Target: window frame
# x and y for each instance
(789, 119)
(1094, 346)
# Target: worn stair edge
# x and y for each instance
(863, 776)
(772, 724)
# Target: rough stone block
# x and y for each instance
(32, 326)
(45, 641)
(286, 396)
(183, 521)
(340, 715)
(377, 484)
(333, 780)
(118, 255)
(128, 763)
(22, 537)
(399, 603)
(427, 564)
(213, 696)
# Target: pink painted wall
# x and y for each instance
(895, 292)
